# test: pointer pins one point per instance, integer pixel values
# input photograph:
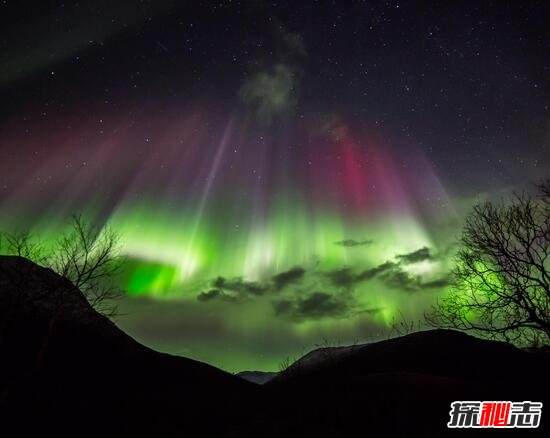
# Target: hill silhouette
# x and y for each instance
(67, 370)
(94, 378)
(405, 385)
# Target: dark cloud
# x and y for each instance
(314, 306)
(285, 278)
(400, 279)
(350, 243)
(210, 295)
(342, 277)
(390, 273)
(215, 294)
(367, 274)
(244, 289)
(438, 283)
(240, 286)
(394, 276)
(254, 288)
(320, 304)
(416, 256)
(346, 278)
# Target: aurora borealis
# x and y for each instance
(301, 178)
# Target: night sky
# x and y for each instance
(280, 173)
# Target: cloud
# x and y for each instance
(342, 277)
(399, 279)
(390, 273)
(246, 289)
(283, 279)
(436, 284)
(314, 306)
(240, 286)
(215, 294)
(271, 93)
(350, 243)
(240, 289)
(210, 295)
(346, 278)
(416, 256)
(318, 305)
(373, 272)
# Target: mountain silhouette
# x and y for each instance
(93, 378)
(66, 370)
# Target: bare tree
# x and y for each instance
(23, 244)
(89, 257)
(502, 274)
(86, 255)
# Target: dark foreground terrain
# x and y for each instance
(67, 371)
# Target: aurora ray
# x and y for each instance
(202, 204)
(276, 178)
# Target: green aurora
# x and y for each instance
(242, 263)
(250, 298)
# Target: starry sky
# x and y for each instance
(280, 173)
